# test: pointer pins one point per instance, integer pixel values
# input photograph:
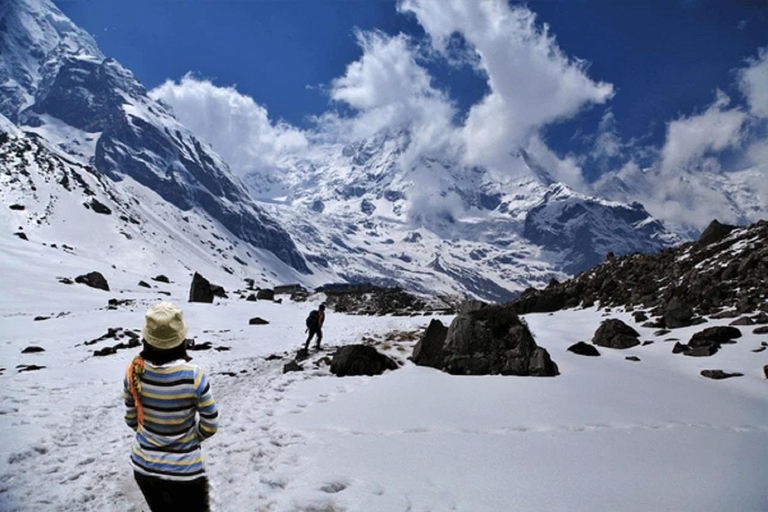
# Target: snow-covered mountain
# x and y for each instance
(355, 212)
(57, 84)
(437, 225)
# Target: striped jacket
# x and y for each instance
(167, 445)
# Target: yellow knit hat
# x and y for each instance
(164, 327)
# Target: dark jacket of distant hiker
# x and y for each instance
(315, 322)
(164, 395)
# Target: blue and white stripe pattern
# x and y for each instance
(167, 445)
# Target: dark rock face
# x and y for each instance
(719, 374)
(613, 333)
(714, 335)
(94, 280)
(491, 340)
(360, 360)
(584, 349)
(429, 350)
(677, 313)
(257, 321)
(678, 286)
(265, 294)
(200, 290)
(714, 233)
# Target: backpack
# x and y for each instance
(312, 320)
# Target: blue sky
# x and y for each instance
(662, 61)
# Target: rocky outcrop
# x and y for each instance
(613, 333)
(584, 349)
(200, 290)
(360, 360)
(94, 280)
(428, 351)
(722, 273)
(265, 294)
(707, 342)
(489, 340)
(719, 374)
(257, 321)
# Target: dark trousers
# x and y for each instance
(169, 496)
(314, 331)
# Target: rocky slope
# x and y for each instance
(723, 274)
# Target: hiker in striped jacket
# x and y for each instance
(170, 405)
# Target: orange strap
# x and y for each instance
(135, 370)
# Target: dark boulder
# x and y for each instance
(712, 335)
(32, 349)
(760, 319)
(761, 330)
(429, 350)
(206, 345)
(200, 290)
(713, 233)
(584, 349)
(218, 291)
(492, 340)
(19, 207)
(360, 360)
(677, 313)
(765, 371)
(719, 374)
(745, 320)
(680, 347)
(632, 358)
(94, 280)
(161, 279)
(257, 321)
(21, 235)
(265, 294)
(613, 333)
(703, 351)
(144, 284)
(98, 207)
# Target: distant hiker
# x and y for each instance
(163, 394)
(315, 322)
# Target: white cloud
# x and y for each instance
(389, 90)
(531, 81)
(235, 126)
(691, 138)
(608, 144)
(753, 81)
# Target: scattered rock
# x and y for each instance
(760, 349)
(703, 351)
(360, 360)
(94, 280)
(765, 371)
(257, 321)
(145, 284)
(251, 298)
(206, 345)
(632, 358)
(613, 333)
(65, 280)
(222, 349)
(273, 357)
(17, 207)
(640, 316)
(647, 342)
(115, 303)
(41, 318)
(99, 207)
(218, 291)
(28, 367)
(161, 279)
(719, 374)
(760, 318)
(106, 351)
(745, 320)
(761, 330)
(714, 233)
(292, 366)
(200, 290)
(21, 235)
(265, 294)
(680, 347)
(584, 349)
(302, 354)
(32, 349)
(714, 335)
(677, 313)
(429, 350)
(662, 332)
